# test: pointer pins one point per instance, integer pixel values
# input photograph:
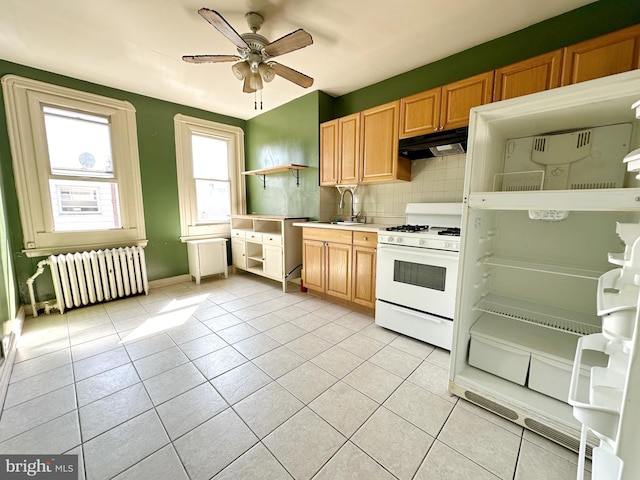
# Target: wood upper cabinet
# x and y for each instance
(348, 149)
(444, 108)
(329, 153)
(609, 54)
(340, 150)
(379, 159)
(420, 113)
(459, 97)
(529, 76)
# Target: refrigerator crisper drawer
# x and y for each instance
(499, 359)
(552, 377)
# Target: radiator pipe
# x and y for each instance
(30, 280)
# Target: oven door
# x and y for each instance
(418, 278)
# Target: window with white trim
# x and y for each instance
(210, 159)
(76, 168)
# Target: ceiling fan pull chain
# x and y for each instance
(255, 100)
(260, 99)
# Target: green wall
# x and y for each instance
(166, 256)
(590, 21)
(288, 134)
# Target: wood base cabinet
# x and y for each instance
(364, 268)
(340, 264)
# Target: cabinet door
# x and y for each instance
(420, 113)
(529, 76)
(329, 153)
(379, 155)
(239, 253)
(313, 260)
(364, 276)
(212, 257)
(348, 148)
(609, 54)
(272, 265)
(459, 97)
(338, 270)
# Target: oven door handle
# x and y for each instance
(421, 316)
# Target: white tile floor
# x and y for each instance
(236, 380)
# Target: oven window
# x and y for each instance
(418, 274)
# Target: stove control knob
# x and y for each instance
(399, 240)
(422, 242)
(390, 239)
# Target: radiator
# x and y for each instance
(84, 278)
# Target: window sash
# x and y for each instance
(24, 101)
(185, 128)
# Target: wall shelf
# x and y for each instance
(263, 172)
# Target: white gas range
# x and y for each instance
(417, 273)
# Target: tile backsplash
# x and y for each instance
(439, 179)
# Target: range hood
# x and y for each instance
(437, 144)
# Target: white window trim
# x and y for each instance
(186, 126)
(23, 98)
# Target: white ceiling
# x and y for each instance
(137, 45)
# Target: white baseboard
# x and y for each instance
(10, 354)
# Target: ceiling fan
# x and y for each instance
(255, 52)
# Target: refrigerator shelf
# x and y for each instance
(542, 315)
(544, 267)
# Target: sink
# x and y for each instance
(347, 223)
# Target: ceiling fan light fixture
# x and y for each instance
(266, 72)
(255, 81)
(240, 70)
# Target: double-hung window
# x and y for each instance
(210, 158)
(75, 160)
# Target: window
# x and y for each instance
(75, 160)
(210, 159)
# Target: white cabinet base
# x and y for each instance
(207, 257)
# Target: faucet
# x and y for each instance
(352, 216)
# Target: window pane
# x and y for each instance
(78, 144)
(83, 206)
(214, 201)
(209, 158)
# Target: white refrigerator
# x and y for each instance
(546, 191)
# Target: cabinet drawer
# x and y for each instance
(271, 239)
(254, 237)
(235, 233)
(328, 235)
(365, 239)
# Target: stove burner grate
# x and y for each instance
(452, 232)
(408, 228)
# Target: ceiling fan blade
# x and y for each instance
(288, 43)
(292, 75)
(215, 19)
(210, 58)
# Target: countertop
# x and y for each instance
(360, 227)
(268, 217)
